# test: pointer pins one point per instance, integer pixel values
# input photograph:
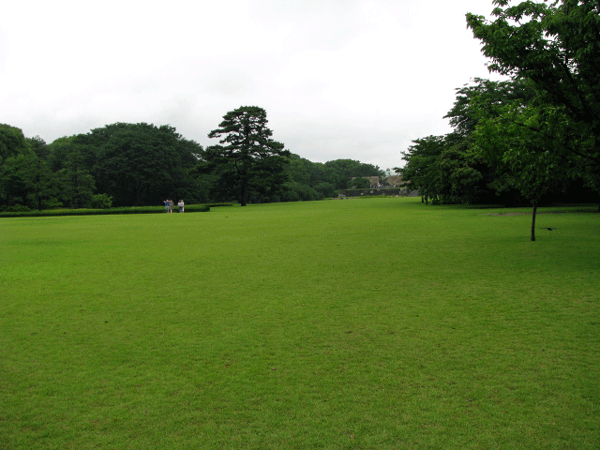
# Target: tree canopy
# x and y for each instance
(534, 135)
(556, 46)
(247, 161)
(12, 142)
(141, 164)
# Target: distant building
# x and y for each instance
(375, 181)
(395, 181)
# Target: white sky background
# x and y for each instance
(353, 79)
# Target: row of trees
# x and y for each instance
(123, 164)
(533, 135)
(142, 164)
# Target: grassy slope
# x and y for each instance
(350, 324)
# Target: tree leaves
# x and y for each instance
(247, 159)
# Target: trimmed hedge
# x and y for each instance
(122, 210)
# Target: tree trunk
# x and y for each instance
(533, 221)
(243, 193)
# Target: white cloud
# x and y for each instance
(339, 78)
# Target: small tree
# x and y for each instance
(528, 144)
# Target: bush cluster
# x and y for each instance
(83, 211)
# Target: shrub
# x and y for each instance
(88, 212)
(101, 201)
(17, 208)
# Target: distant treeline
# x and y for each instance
(125, 164)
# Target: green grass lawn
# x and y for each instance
(356, 324)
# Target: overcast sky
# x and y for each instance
(354, 79)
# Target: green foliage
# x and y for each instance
(39, 147)
(460, 174)
(12, 142)
(421, 166)
(346, 169)
(533, 134)
(556, 46)
(60, 151)
(17, 209)
(295, 191)
(135, 164)
(77, 184)
(21, 211)
(360, 183)
(326, 189)
(476, 173)
(496, 125)
(530, 144)
(27, 180)
(248, 162)
(484, 96)
(311, 181)
(141, 164)
(101, 201)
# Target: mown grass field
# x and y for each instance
(356, 324)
